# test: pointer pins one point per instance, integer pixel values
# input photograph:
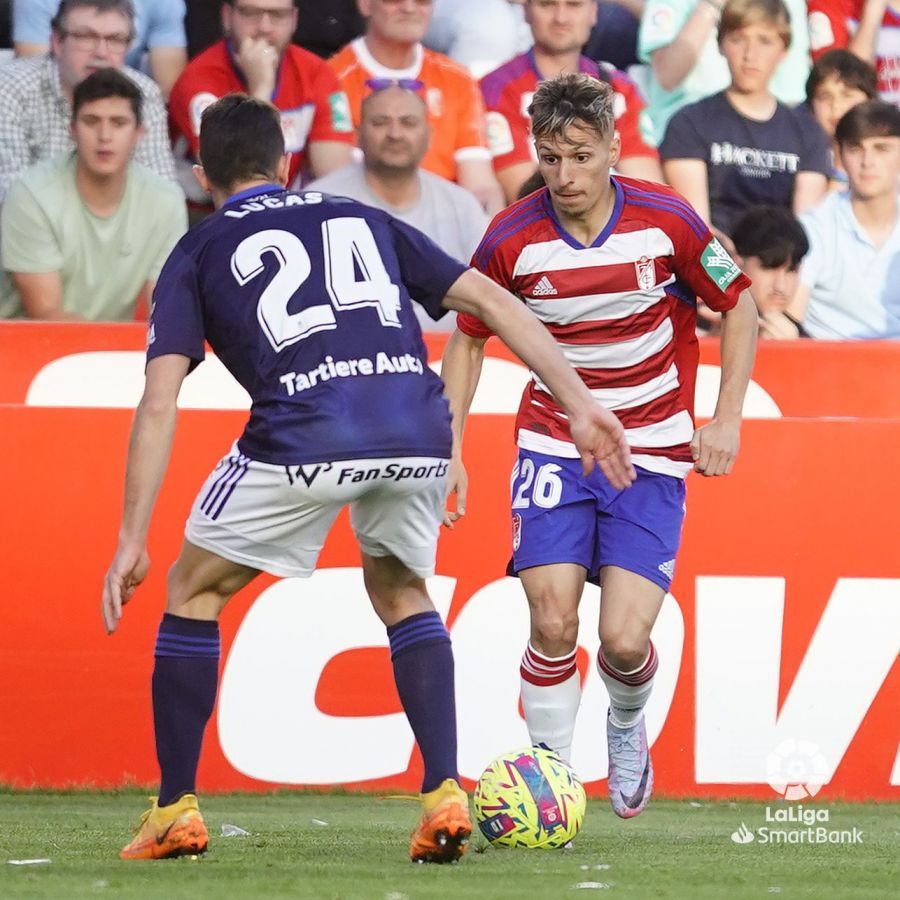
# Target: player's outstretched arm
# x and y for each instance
(715, 445)
(596, 432)
(148, 455)
(461, 371)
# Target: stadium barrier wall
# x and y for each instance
(778, 642)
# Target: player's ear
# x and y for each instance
(283, 173)
(615, 149)
(200, 175)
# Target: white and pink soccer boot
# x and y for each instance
(630, 768)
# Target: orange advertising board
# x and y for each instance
(781, 630)
(797, 378)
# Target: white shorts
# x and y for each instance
(276, 518)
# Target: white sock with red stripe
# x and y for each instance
(551, 695)
(628, 691)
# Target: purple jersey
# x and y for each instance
(306, 300)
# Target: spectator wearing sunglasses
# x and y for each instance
(392, 48)
(256, 57)
(393, 136)
(36, 93)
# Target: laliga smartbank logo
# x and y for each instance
(796, 770)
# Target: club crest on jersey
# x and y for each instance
(516, 531)
(645, 268)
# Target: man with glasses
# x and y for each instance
(159, 36)
(36, 93)
(392, 49)
(256, 57)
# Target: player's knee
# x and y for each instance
(555, 632)
(625, 652)
(191, 594)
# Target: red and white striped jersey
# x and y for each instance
(622, 310)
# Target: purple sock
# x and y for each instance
(185, 680)
(423, 671)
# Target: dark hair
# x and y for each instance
(572, 100)
(847, 68)
(874, 118)
(107, 83)
(772, 234)
(532, 183)
(240, 140)
(126, 7)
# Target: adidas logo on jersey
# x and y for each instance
(543, 288)
(667, 568)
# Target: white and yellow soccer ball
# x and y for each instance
(529, 798)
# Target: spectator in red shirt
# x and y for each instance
(560, 29)
(870, 29)
(256, 57)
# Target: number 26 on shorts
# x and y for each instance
(539, 485)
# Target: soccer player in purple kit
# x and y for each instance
(612, 266)
(306, 300)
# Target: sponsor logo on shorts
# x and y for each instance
(720, 267)
(516, 531)
(308, 473)
(667, 568)
(392, 472)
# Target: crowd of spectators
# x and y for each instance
(776, 119)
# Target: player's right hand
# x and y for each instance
(128, 569)
(600, 438)
(457, 483)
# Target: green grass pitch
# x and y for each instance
(348, 846)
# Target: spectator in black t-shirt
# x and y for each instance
(770, 245)
(741, 147)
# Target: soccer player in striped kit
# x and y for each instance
(306, 299)
(612, 266)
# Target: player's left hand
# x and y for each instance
(715, 446)
(128, 569)
(600, 438)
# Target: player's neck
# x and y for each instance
(758, 105)
(585, 228)
(551, 65)
(221, 197)
(399, 189)
(391, 54)
(101, 194)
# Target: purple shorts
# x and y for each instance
(559, 516)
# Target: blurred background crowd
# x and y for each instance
(777, 119)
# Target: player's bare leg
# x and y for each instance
(185, 681)
(423, 671)
(627, 662)
(551, 685)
